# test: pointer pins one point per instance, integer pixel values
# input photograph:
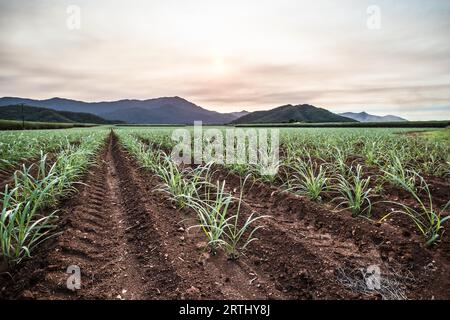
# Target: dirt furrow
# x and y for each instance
(130, 243)
(301, 259)
(106, 232)
(202, 275)
(329, 242)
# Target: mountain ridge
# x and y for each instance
(178, 110)
(366, 117)
(292, 113)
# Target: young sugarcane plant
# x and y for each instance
(236, 238)
(266, 169)
(309, 179)
(212, 210)
(21, 229)
(180, 184)
(222, 229)
(339, 161)
(396, 173)
(149, 157)
(426, 218)
(268, 174)
(24, 218)
(370, 153)
(30, 178)
(239, 169)
(434, 166)
(355, 192)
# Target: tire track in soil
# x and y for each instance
(109, 235)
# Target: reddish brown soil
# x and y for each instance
(339, 240)
(6, 178)
(383, 203)
(6, 175)
(131, 243)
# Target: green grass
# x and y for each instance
(436, 135)
(27, 217)
(25, 145)
(355, 192)
(347, 155)
(308, 179)
(402, 124)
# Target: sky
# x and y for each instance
(383, 57)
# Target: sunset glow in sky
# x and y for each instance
(233, 55)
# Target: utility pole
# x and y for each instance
(23, 118)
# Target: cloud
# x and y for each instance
(234, 55)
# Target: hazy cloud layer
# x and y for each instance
(233, 55)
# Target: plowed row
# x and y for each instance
(131, 243)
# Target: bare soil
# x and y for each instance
(342, 242)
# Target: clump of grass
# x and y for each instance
(21, 227)
(239, 169)
(212, 210)
(309, 179)
(224, 228)
(24, 220)
(234, 240)
(397, 174)
(339, 162)
(355, 192)
(427, 218)
(180, 184)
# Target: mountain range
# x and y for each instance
(169, 110)
(365, 117)
(165, 110)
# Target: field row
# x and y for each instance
(226, 231)
(374, 174)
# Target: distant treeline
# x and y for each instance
(29, 125)
(400, 124)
